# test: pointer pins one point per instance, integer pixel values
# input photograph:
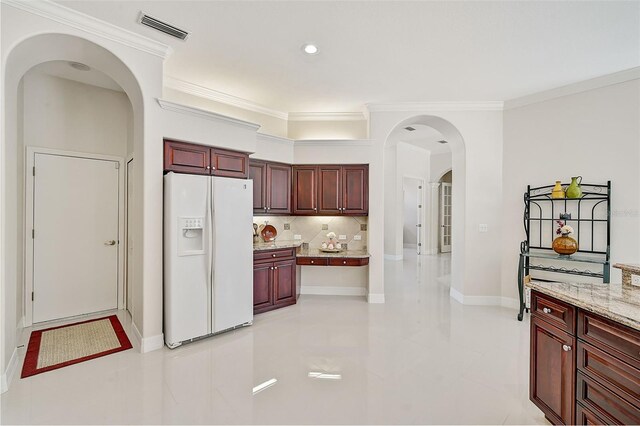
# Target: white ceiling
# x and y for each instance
(63, 69)
(424, 137)
(393, 51)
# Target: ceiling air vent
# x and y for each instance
(443, 141)
(157, 24)
(409, 128)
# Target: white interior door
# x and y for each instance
(130, 261)
(445, 217)
(75, 238)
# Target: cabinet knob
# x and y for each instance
(344, 262)
(271, 268)
(273, 255)
(315, 209)
(312, 261)
(213, 167)
(546, 310)
(208, 167)
(275, 268)
(566, 348)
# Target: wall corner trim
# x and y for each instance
(81, 21)
(146, 344)
(7, 375)
(224, 98)
(506, 302)
(375, 298)
(574, 88)
(208, 115)
(436, 106)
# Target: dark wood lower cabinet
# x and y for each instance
(584, 368)
(275, 280)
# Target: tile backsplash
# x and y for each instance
(314, 229)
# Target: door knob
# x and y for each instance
(110, 243)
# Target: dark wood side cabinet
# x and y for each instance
(275, 279)
(271, 187)
(184, 157)
(331, 190)
(585, 369)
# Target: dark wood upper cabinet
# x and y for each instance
(330, 190)
(305, 190)
(258, 173)
(278, 188)
(355, 190)
(552, 371)
(183, 157)
(187, 158)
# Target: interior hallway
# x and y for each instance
(419, 358)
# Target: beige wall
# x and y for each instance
(301, 130)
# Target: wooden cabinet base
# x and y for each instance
(275, 279)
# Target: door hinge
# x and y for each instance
(419, 187)
(33, 233)
(419, 244)
(419, 206)
(33, 170)
(32, 296)
(419, 225)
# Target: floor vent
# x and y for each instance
(168, 29)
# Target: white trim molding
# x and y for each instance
(146, 344)
(333, 291)
(201, 113)
(276, 139)
(326, 116)
(436, 106)
(224, 98)
(7, 375)
(506, 302)
(571, 89)
(375, 297)
(334, 142)
(81, 21)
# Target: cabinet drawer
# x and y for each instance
(584, 416)
(268, 255)
(313, 261)
(336, 261)
(609, 370)
(554, 311)
(602, 401)
(621, 341)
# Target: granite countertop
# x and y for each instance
(354, 254)
(276, 245)
(618, 302)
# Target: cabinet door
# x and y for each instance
(305, 190)
(278, 188)
(229, 164)
(355, 190)
(329, 190)
(262, 287)
(552, 371)
(284, 282)
(184, 157)
(258, 173)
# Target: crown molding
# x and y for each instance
(81, 21)
(436, 106)
(571, 89)
(334, 142)
(201, 113)
(275, 139)
(214, 95)
(326, 116)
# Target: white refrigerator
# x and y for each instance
(208, 256)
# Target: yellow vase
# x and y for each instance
(557, 192)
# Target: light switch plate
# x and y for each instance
(297, 237)
(357, 237)
(342, 237)
(483, 227)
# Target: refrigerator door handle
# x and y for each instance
(209, 257)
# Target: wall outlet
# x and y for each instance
(287, 226)
(483, 227)
(363, 226)
(635, 279)
(342, 237)
(297, 237)
(357, 237)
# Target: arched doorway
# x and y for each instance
(30, 54)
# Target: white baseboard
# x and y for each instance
(410, 246)
(7, 375)
(393, 257)
(507, 302)
(333, 291)
(375, 298)
(147, 344)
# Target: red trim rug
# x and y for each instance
(69, 344)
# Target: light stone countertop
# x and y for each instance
(353, 254)
(276, 245)
(618, 302)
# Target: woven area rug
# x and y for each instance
(69, 344)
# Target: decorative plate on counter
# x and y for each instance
(269, 233)
(328, 250)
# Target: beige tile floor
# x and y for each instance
(419, 358)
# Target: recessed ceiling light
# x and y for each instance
(79, 66)
(310, 49)
(410, 129)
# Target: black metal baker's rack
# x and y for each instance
(590, 217)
